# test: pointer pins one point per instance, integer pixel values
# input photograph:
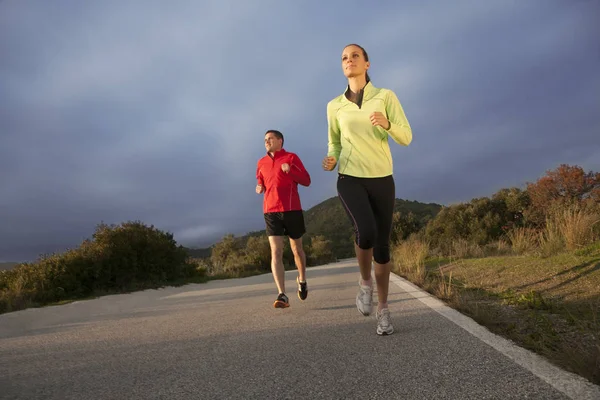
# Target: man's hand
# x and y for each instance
(329, 163)
(285, 167)
(259, 189)
(378, 119)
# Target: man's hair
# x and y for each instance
(277, 134)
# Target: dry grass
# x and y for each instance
(551, 241)
(522, 240)
(409, 257)
(576, 224)
(498, 248)
(444, 288)
(568, 227)
(461, 248)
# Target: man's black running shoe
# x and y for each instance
(302, 289)
(282, 301)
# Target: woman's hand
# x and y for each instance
(378, 119)
(329, 163)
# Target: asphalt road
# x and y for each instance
(223, 340)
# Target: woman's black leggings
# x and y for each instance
(369, 203)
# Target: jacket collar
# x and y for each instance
(278, 153)
(367, 91)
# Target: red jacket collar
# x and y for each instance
(278, 153)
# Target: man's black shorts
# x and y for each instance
(287, 223)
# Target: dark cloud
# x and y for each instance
(113, 112)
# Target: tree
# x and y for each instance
(222, 252)
(258, 252)
(320, 251)
(566, 184)
(403, 224)
(516, 202)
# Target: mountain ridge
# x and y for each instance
(328, 218)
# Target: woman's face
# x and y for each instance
(353, 62)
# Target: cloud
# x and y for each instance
(112, 111)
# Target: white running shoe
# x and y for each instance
(384, 322)
(364, 299)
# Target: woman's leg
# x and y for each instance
(383, 197)
(355, 200)
(365, 259)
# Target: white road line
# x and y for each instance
(572, 385)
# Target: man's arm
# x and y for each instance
(298, 172)
(399, 128)
(259, 180)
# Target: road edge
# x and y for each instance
(572, 385)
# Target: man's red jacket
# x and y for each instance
(280, 188)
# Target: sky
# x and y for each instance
(114, 111)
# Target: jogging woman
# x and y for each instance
(359, 123)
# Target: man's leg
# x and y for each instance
(299, 258)
(277, 269)
(275, 232)
(295, 229)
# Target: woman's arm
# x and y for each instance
(399, 128)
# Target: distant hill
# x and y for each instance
(329, 219)
(199, 253)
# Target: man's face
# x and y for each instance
(272, 143)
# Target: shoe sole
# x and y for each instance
(384, 333)
(280, 304)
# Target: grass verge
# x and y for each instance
(549, 305)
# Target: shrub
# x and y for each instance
(132, 254)
(565, 184)
(258, 252)
(124, 257)
(477, 223)
(319, 251)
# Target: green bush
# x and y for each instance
(467, 228)
(118, 258)
(133, 254)
(319, 251)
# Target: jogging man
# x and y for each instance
(278, 174)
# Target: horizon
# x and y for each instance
(209, 244)
(144, 111)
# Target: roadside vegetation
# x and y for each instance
(133, 256)
(523, 262)
(121, 258)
